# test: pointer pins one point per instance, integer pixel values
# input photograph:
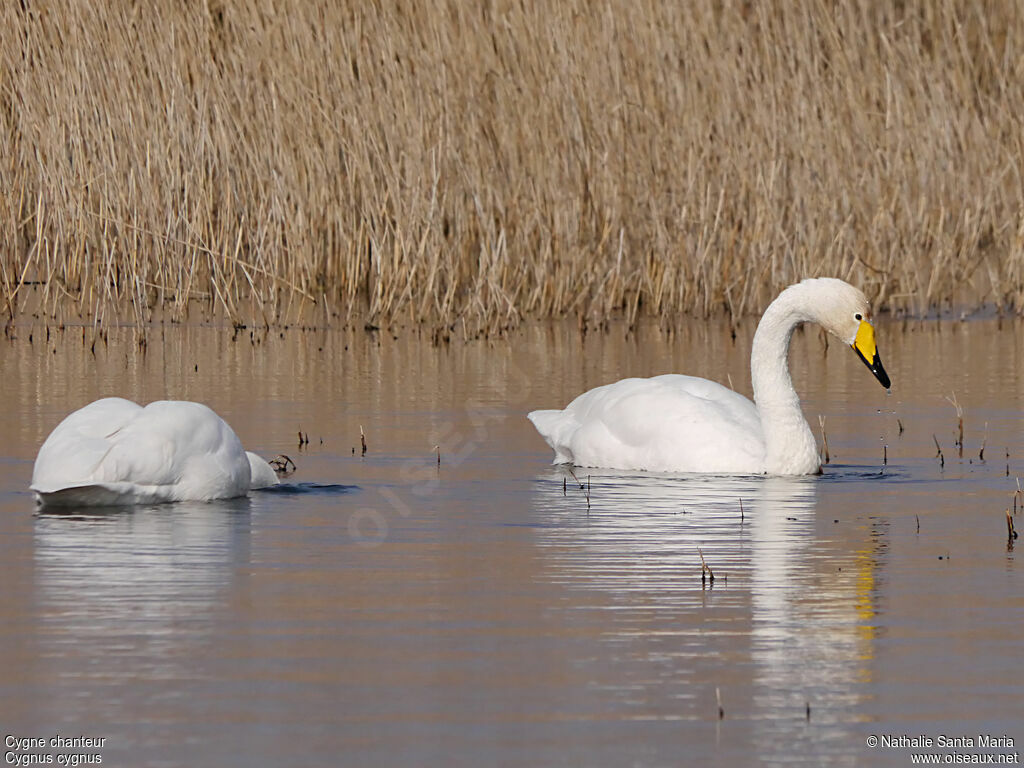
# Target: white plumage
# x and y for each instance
(676, 423)
(114, 451)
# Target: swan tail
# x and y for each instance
(556, 428)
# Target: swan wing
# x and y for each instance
(78, 445)
(183, 447)
(101, 495)
(670, 423)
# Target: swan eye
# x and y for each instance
(857, 316)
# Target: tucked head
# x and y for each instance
(843, 311)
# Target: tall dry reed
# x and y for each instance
(485, 162)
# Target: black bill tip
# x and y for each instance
(875, 366)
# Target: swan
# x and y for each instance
(114, 451)
(675, 423)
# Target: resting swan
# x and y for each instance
(114, 451)
(675, 423)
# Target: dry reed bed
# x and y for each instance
(489, 162)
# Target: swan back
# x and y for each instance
(114, 451)
(666, 423)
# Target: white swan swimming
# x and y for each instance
(675, 423)
(114, 451)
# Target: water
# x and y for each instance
(382, 610)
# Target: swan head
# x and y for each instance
(844, 311)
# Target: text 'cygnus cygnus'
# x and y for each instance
(114, 451)
(676, 423)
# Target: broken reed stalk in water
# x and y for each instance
(585, 489)
(960, 424)
(280, 464)
(938, 454)
(705, 569)
(824, 437)
(362, 439)
(1010, 531)
(984, 439)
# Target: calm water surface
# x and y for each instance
(382, 610)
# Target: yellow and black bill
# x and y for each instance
(864, 346)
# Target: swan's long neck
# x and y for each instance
(789, 444)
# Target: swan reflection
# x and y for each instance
(811, 608)
(787, 621)
(142, 582)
